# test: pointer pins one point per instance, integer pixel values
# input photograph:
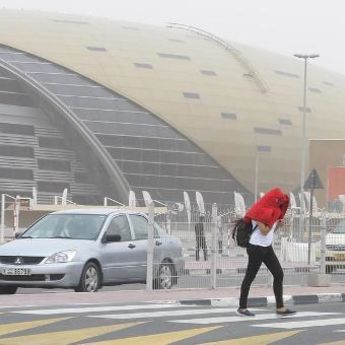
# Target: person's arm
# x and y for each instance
(264, 229)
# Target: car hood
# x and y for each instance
(41, 247)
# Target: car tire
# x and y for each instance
(90, 279)
(165, 276)
(8, 290)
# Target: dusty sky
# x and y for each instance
(283, 26)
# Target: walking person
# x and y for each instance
(200, 239)
(266, 216)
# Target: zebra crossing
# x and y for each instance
(160, 323)
(191, 314)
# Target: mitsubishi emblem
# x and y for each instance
(18, 261)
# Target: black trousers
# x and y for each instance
(256, 256)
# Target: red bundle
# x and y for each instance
(270, 208)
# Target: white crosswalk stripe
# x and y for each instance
(173, 313)
(192, 314)
(98, 309)
(258, 317)
(305, 323)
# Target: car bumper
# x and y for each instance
(45, 275)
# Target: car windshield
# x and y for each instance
(71, 226)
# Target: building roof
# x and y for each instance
(196, 85)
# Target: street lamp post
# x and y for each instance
(259, 149)
(303, 146)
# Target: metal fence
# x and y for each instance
(215, 261)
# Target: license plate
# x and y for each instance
(16, 271)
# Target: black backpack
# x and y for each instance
(241, 232)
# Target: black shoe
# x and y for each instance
(285, 312)
(244, 312)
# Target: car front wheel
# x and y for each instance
(8, 290)
(90, 278)
(164, 278)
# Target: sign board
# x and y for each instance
(313, 181)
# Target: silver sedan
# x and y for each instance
(85, 249)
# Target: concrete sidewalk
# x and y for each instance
(259, 296)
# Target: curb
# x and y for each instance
(267, 301)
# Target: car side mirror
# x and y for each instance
(111, 238)
(17, 235)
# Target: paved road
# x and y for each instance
(166, 323)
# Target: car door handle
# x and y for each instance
(131, 246)
(158, 243)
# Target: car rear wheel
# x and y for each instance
(90, 278)
(8, 290)
(165, 275)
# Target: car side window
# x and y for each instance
(120, 226)
(140, 226)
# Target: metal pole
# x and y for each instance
(323, 245)
(150, 245)
(256, 182)
(303, 150)
(310, 220)
(214, 247)
(2, 229)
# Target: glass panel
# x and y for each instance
(173, 56)
(16, 151)
(16, 174)
(54, 165)
(14, 128)
(119, 226)
(52, 143)
(21, 100)
(53, 187)
(140, 227)
(97, 49)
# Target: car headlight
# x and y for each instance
(61, 257)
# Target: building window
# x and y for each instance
(52, 143)
(286, 122)
(51, 187)
(176, 40)
(314, 89)
(82, 178)
(263, 148)
(16, 151)
(69, 21)
(287, 74)
(191, 95)
(54, 165)
(143, 65)
(97, 49)
(16, 174)
(173, 56)
(12, 128)
(307, 109)
(207, 72)
(270, 131)
(229, 116)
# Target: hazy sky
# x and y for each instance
(283, 26)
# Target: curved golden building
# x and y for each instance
(103, 107)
